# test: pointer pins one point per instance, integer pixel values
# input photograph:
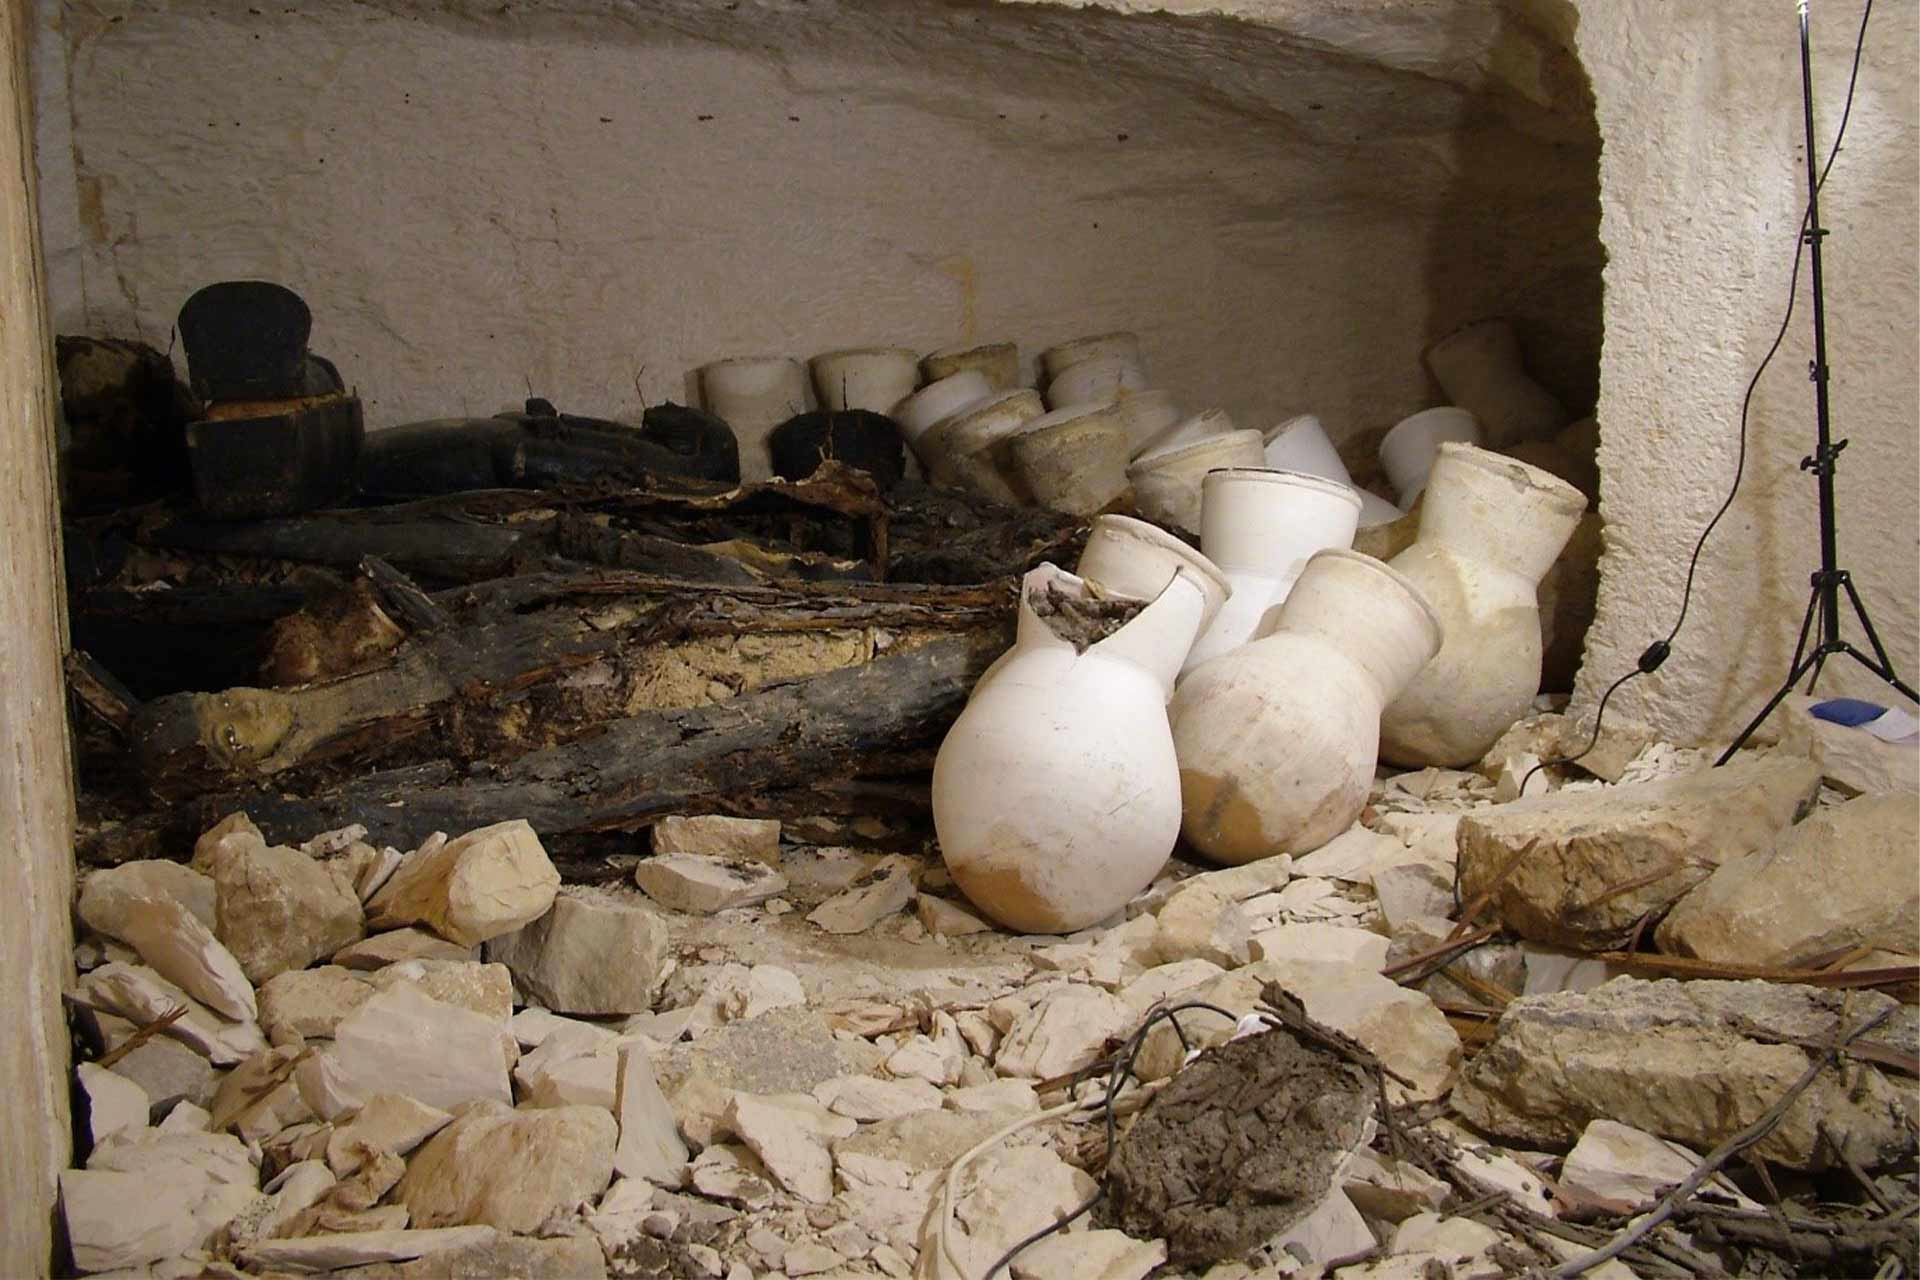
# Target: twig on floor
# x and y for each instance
(1732, 1147)
(141, 1036)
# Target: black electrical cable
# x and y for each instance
(1118, 1074)
(1658, 652)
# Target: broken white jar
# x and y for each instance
(1056, 360)
(972, 449)
(1074, 459)
(871, 378)
(1189, 430)
(754, 394)
(1408, 450)
(1056, 796)
(1167, 480)
(1479, 367)
(1129, 557)
(1097, 381)
(1261, 526)
(1490, 528)
(934, 403)
(998, 361)
(1149, 415)
(1278, 740)
(1301, 444)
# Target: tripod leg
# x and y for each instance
(1884, 668)
(1880, 669)
(1800, 668)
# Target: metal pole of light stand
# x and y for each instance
(1830, 579)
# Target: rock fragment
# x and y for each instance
(509, 1169)
(718, 836)
(866, 1098)
(378, 950)
(789, 1142)
(140, 995)
(1580, 868)
(884, 890)
(1066, 1031)
(1079, 1255)
(947, 919)
(490, 881)
(109, 897)
(1199, 922)
(278, 909)
(650, 1145)
(566, 958)
(389, 1122)
(701, 885)
(1850, 758)
(122, 1221)
(403, 1041)
(1626, 1169)
(114, 1102)
(306, 1004)
(1316, 940)
(485, 989)
(357, 1248)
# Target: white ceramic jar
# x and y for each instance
(1073, 460)
(970, 450)
(998, 361)
(870, 378)
(1148, 416)
(1056, 795)
(1129, 557)
(1190, 430)
(1166, 481)
(1408, 450)
(1278, 740)
(1490, 528)
(1100, 380)
(1301, 444)
(1261, 526)
(754, 394)
(1479, 367)
(1056, 360)
(934, 403)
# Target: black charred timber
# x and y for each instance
(126, 416)
(703, 439)
(865, 441)
(247, 340)
(276, 458)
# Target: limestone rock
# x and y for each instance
(278, 909)
(119, 1221)
(1569, 857)
(1090, 1255)
(1333, 1229)
(946, 919)
(488, 882)
(1066, 1031)
(1461, 1241)
(378, 950)
(1848, 757)
(1156, 984)
(1628, 1169)
(649, 1143)
(235, 831)
(790, 1142)
(577, 1080)
(996, 1096)
(389, 1122)
(718, 836)
(170, 1072)
(258, 1098)
(866, 1098)
(218, 1157)
(1351, 856)
(1391, 1190)
(333, 1252)
(1410, 889)
(595, 952)
(113, 1101)
(509, 1169)
(1314, 940)
(701, 885)
(1842, 878)
(140, 995)
(485, 989)
(809, 1259)
(1007, 1195)
(1200, 922)
(521, 1257)
(171, 939)
(787, 1051)
(730, 1172)
(1672, 1059)
(403, 1041)
(882, 891)
(306, 1004)
(108, 897)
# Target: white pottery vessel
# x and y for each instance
(1129, 557)
(1166, 481)
(1073, 460)
(999, 361)
(1490, 528)
(1407, 452)
(1301, 444)
(754, 394)
(1056, 795)
(970, 449)
(1190, 430)
(1480, 369)
(1261, 526)
(870, 378)
(1097, 381)
(1148, 415)
(1056, 360)
(1279, 739)
(936, 402)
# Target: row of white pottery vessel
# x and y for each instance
(1480, 369)
(1073, 459)
(1301, 444)
(1278, 740)
(998, 362)
(871, 378)
(1490, 528)
(1056, 794)
(1167, 480)
(754, 394)
(1408, 450)
(1261, 526)
(971, 449)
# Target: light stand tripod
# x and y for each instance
(1830, 579)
